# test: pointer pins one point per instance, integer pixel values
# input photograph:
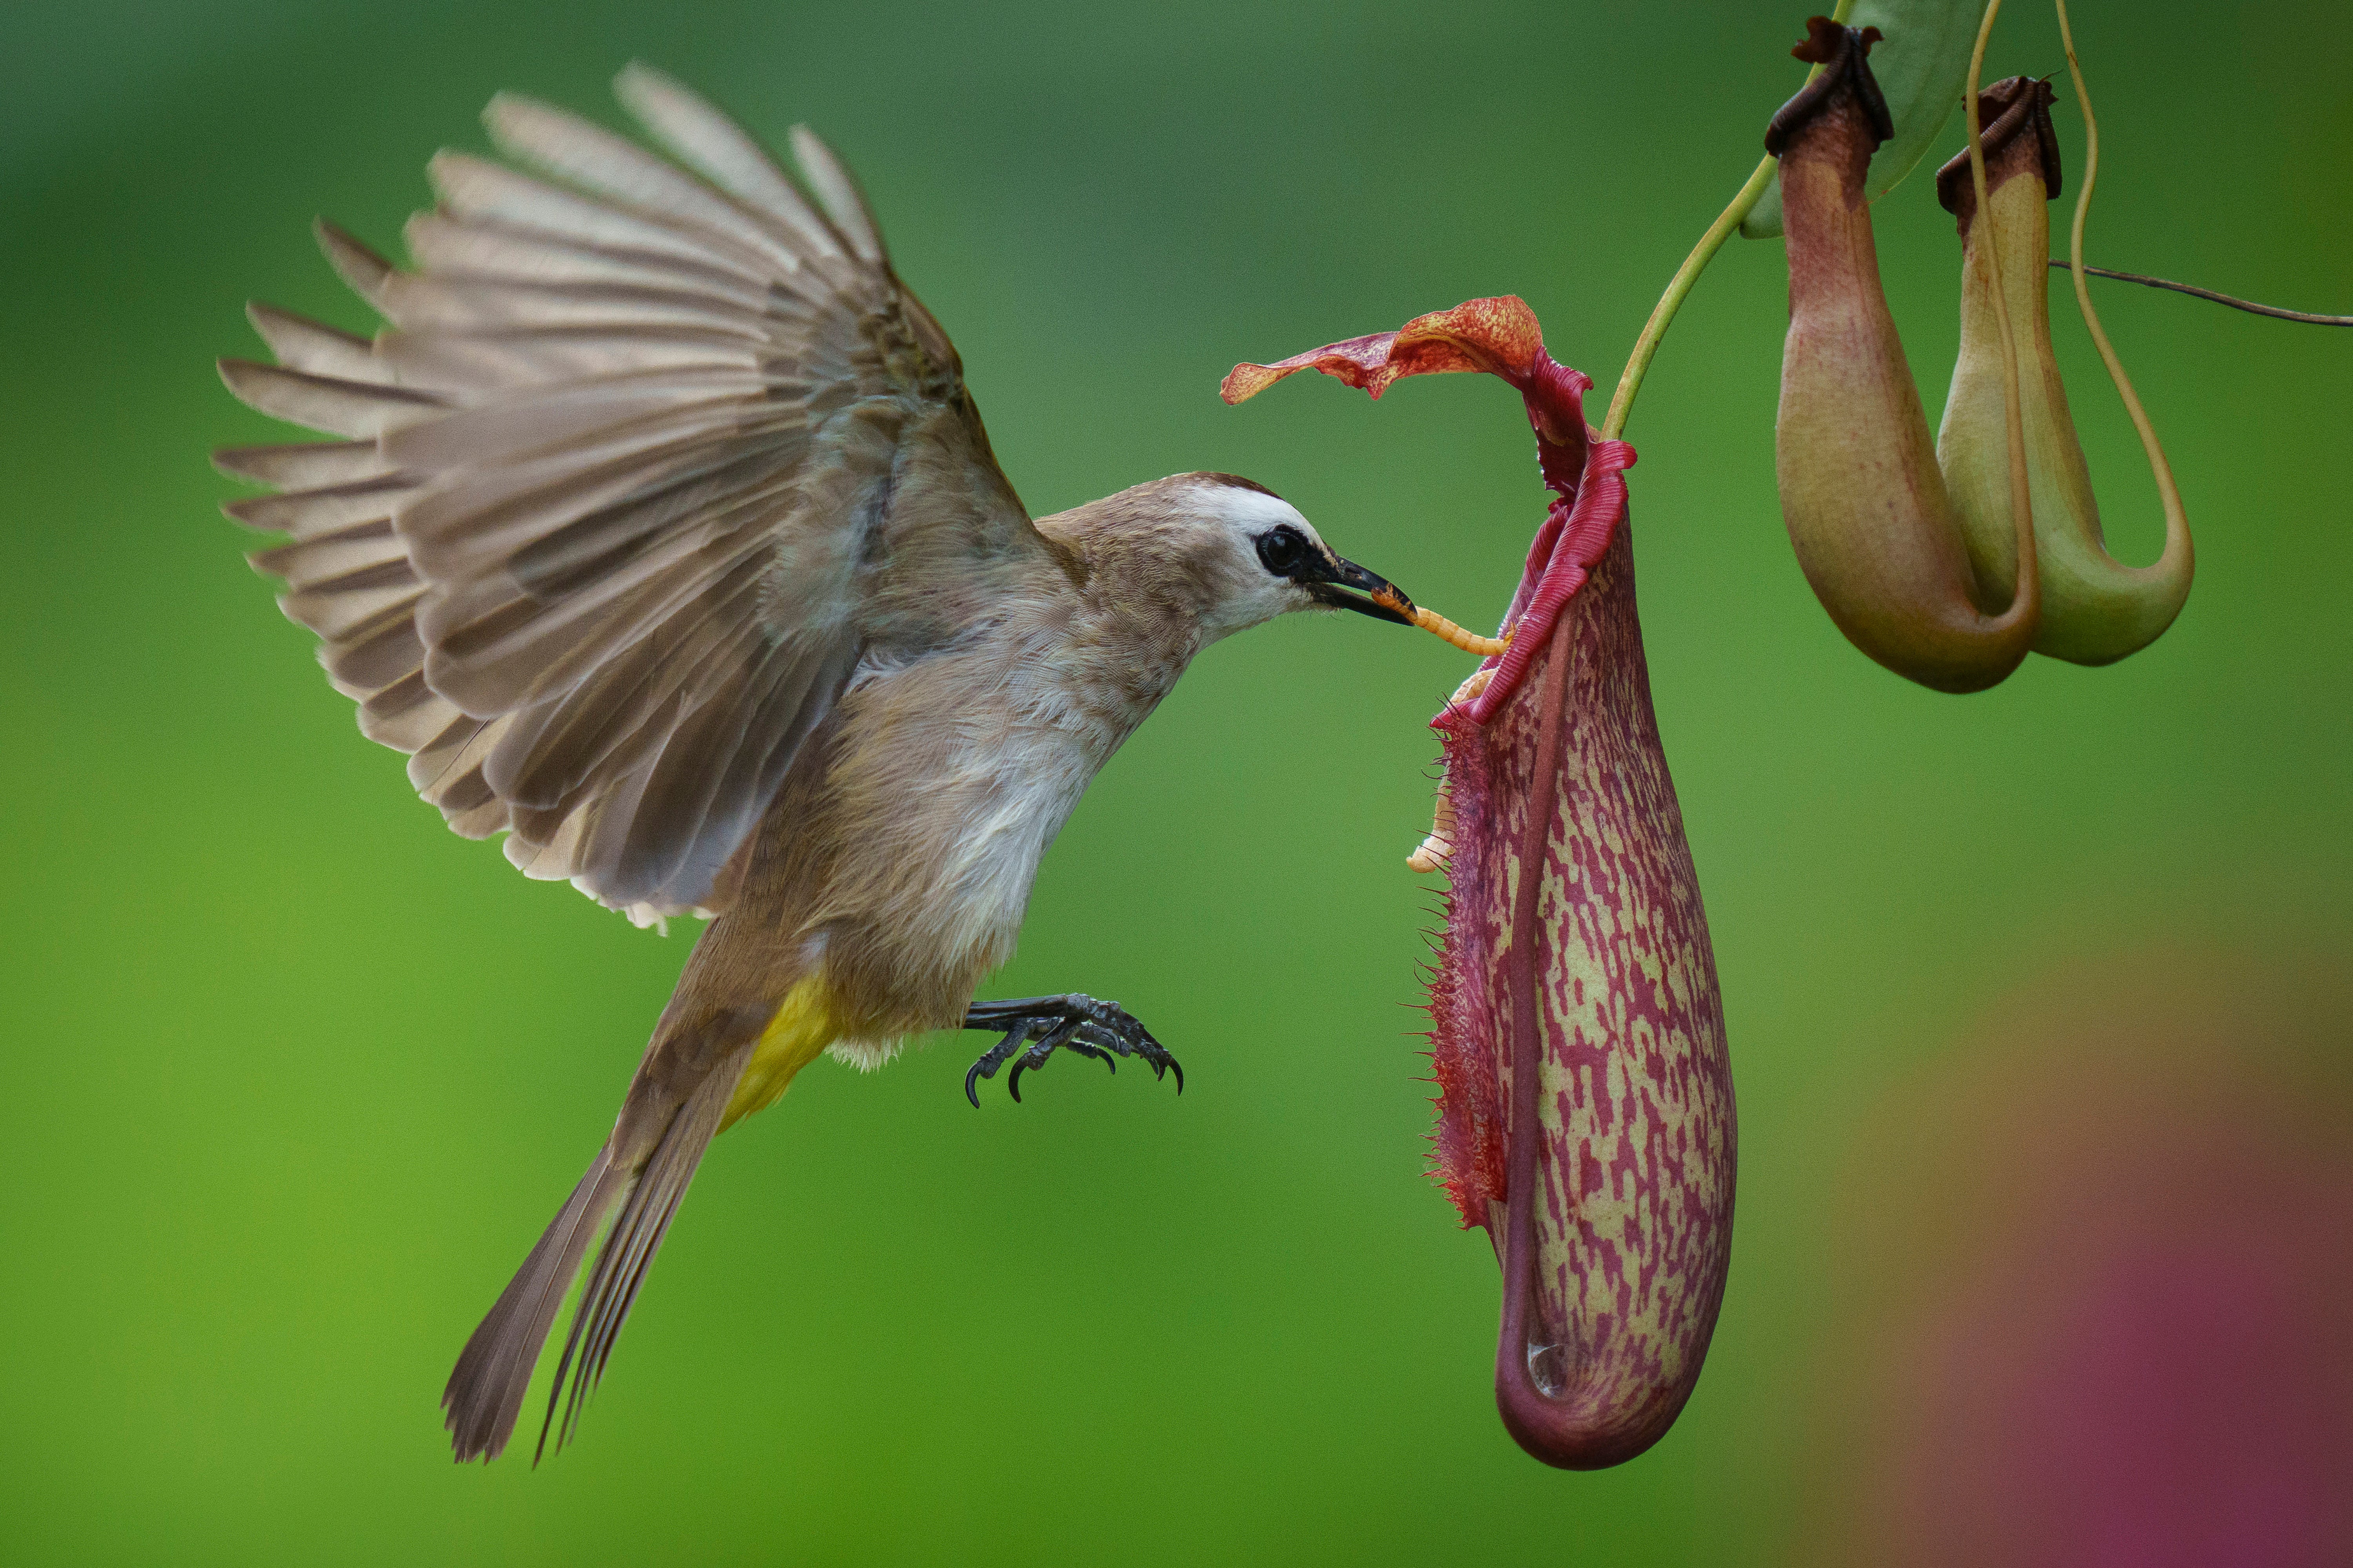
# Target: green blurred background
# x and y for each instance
(294, 1076)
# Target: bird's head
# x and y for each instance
(1228, 555)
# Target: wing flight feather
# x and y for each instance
(619, 487)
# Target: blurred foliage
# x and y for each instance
(296, 1076)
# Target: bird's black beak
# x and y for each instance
(1330, 582)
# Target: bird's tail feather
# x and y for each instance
(629, 1246)
(486, 1390)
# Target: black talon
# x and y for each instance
(1093, 1052)
(1101, 1041)
(1036, 1055)
(1100, 1030)
(992, 1059)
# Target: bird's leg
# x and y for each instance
(1038, 1026)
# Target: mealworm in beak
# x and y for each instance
(1429, 620)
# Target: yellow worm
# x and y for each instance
(1474, 685)
(1429, 620)
(1440, 844)
(1434, 849)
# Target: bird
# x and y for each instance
(661, 533)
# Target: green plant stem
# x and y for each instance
(1630, 380)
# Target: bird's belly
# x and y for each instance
(995, 844)
(930, 899)
(930, 894)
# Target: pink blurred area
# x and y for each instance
(2095, 1284)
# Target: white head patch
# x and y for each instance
(1241, 515)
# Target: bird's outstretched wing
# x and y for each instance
(642, 465)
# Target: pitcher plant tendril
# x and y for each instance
(1679, 288)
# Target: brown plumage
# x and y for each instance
(664, 537)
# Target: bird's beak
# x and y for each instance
(1330, 582)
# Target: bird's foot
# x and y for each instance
(1038, 1026)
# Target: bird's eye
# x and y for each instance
(1280, 549)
